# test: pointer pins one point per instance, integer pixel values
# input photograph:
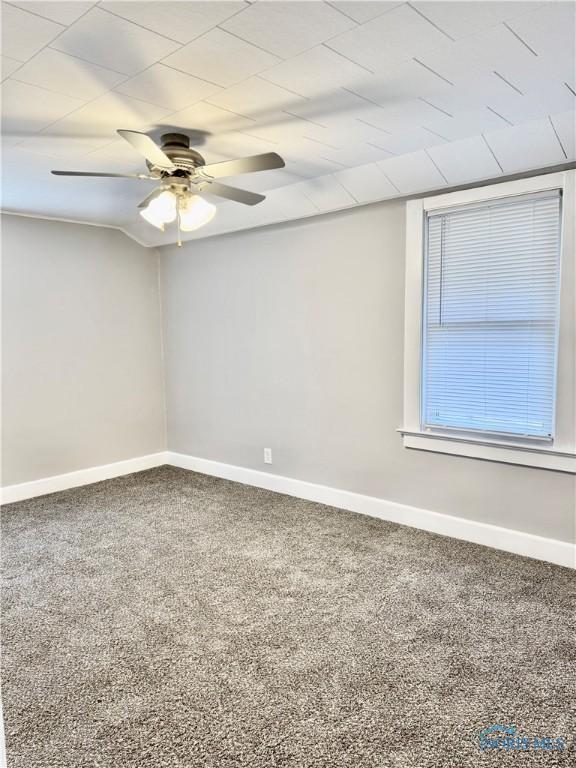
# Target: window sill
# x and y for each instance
(508, 453)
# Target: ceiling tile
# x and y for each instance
(221, 58)
(255, 97)
(282, 128)
(468, 16)
(457, 61)
(364, 10)
(526, 146)
(254, 143)
(27, 109)
(68, 148)
(499, 49)
(546, 98)
(565, 127)
(496, 49)
(263, 182)
(128, 48)
(396, 36)
(8, 66)
(292, 203)
(237, 144)
(412, 173)
(209, 118)
(409, 80)
(116, 156)
(366, 183)
(482, 89)
(342, 111)
(24, 34)
(549, 30)
(167, 87)
(517, 108)
(325, 192)
(465, 124)
(100, 119)
(63, 12)
(346, 110)
(57, 71)
(288, 28)
(466, 160)
(353, 154)
(316, 73)
(303, 162)
(342, 128)
(410, 140)
(181, 21)
(401, 116)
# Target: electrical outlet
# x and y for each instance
(267, 455)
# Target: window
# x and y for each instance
(489, 368)
(491, 316)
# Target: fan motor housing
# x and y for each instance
(177, 147)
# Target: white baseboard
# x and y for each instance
(10, 493)
(506, 539)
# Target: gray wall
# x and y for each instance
(81, 367)
(292, 337)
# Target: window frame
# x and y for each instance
(560, 454)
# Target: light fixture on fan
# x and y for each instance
(194, 212)
(161, 210)
(177, 203)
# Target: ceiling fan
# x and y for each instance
(184, 178)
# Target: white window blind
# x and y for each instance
(491, 311)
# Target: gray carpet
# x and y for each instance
(172, 619)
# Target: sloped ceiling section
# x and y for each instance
(364, 100)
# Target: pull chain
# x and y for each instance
(178, 223)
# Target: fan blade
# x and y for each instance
(231, 193)
(107, 175)
(143, 144)
(264, 162)
(151, 196)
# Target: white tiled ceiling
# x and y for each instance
(29, 109)
(55, 71)
(63, 12)
(24, 34)
(8, 65)
(253, 97)
(537, 139)
(181, 21)
(462, 160)
(391, 38)
(108, 40)
(413, 172)
(365, 100)
(463, 18)
(563, 124)
(287, 29)
(167, 87)
(221, 58)
(326, 193)
(364, 11)
(366, 183)
(315, 73)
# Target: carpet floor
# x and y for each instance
(171, 620)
